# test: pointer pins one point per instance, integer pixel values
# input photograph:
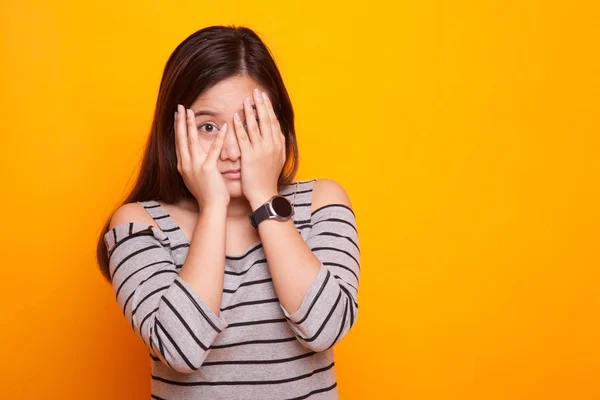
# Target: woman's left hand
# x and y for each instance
(263, 150)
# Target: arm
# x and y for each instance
(169, 311)
(204, 267)
(317, 281)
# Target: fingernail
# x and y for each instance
(264, 95)
(175, 114)
(256, 92)
(236, 116)
(190, 113)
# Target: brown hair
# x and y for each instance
(203, 59)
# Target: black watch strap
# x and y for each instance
(259, 215)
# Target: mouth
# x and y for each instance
(232, 174)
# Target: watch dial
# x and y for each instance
(282, 206)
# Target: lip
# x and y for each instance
(232, 174)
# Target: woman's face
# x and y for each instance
(217, 106)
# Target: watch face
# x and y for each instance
(282, 206)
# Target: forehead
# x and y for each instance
(228, 94)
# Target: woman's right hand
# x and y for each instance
(199, 169)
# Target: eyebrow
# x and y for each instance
(214, 114)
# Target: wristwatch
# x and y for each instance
(277, 207)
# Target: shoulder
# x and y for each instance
(130, 226)
(130, 212)
(328, 191)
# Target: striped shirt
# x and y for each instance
(255, 349)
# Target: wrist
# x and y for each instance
(260, 199)
(213, 209)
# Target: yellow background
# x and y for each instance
(465, 132)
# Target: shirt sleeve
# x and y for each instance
(175, 324)
(329, 308)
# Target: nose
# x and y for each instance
(231, 149)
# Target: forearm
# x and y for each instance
(204, 266)
(292, 264)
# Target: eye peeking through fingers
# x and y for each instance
(214, 128)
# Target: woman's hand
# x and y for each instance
(263, 150)
(199, 169)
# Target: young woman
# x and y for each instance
(238, 279)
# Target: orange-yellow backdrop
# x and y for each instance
(465, 132)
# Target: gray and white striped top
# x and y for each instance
(254, 349)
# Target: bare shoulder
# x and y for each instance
(328, 191)
(130, 212)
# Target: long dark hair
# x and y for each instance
(203, 59)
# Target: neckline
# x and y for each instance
(187, 241)
(253, 247)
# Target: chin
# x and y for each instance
(235, 188)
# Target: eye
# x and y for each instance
(213, 130)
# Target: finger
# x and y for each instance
(264, 120)
(275, 128)
(216, 146)
(176, 143)
(181, 137)
(241, 134)
(196, 152)
(253, 132)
